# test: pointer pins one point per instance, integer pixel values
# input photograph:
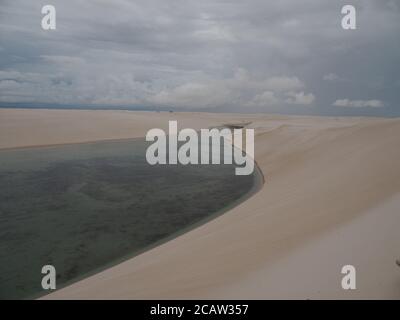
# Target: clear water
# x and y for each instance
(83, 207)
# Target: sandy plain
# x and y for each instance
(330, 198)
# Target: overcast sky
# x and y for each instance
(287, 56)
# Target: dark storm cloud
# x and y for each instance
(289, 56)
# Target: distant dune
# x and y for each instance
(330, 198)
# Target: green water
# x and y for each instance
(83, 207)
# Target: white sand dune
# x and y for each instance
(331, 198)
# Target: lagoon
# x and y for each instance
(86, 207)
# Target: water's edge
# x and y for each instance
(258, 182)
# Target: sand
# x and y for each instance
(331, 198)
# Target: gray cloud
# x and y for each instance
(358, 103)
(300, 98)
(231, 55)
(331, 77)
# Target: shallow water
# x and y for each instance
(83, 207)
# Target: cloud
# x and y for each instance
(193, 95)
(267, 98)
(300, 98)
(71, 83)
(242, 89)
(358, 103)
(233, 55)
(331, 77)
(283, 83)
(63, 60)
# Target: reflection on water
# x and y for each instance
(81, 207)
